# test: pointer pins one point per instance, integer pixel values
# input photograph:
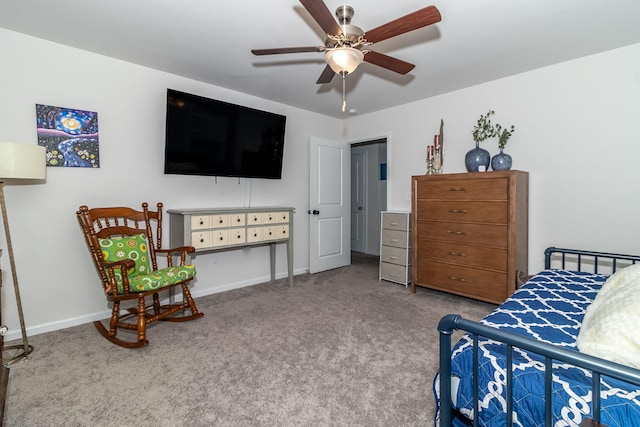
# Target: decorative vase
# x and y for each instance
(501, 162)
(477, 158)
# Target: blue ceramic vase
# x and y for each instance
(501, 162)
(476, 158)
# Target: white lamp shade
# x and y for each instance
(344, 59)
(22, 162)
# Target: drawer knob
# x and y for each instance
(459, 233)
(458, 210)
(456, 254)
(456, 189)
(459, 279)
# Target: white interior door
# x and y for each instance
(329, 205)
(358, 199)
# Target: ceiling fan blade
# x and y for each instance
(323, 16)
(288, 50)
(388, 62)
(418, 19)
(326, 76)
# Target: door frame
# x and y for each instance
(371, 138)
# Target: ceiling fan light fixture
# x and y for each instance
(344, 59)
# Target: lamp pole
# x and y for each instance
(26, 348)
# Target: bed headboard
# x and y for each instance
(590, 261)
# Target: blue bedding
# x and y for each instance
(549, 308)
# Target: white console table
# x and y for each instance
(210, 230)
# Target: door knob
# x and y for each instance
(314, 212)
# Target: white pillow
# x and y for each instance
(611, 325)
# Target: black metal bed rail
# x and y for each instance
(597, 366)
(594, 259)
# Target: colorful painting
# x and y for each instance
(70, 136)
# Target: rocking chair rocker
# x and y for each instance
(124, 244)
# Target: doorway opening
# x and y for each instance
(368, 196)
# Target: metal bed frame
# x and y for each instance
(580, 261)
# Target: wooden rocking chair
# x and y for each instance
(124, 244)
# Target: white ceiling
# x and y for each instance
(210, 41)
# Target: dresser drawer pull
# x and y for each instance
(456, 189)
(456, 254)
(459, 233)
(459, 279)
(394, 223)
(394, 240)
(458, 210)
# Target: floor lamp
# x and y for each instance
(19, 164)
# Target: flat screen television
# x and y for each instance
(215, 138)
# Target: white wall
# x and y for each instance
(577, 134)
(59, 286)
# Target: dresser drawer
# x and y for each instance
(282, 231)
(254, 234)
(460, 232)
(395, 221)
(464, 189)
(200, 222)
(466, 255)
(201, 239)
(237, 220)
(393, 272)
(482, 284)
(463, 211)
(219, 238)
(394, 255)
(394, 238)
(237, 236)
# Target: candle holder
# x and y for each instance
(430, 168)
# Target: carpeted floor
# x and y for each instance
(339, 348)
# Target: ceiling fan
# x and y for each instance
(347, 46)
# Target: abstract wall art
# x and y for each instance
(69, 135)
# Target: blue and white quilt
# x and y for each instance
(549, 308)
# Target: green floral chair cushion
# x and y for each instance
(160, 278)
(141, 278)
(135, 248)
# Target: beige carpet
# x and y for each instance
(338, 348)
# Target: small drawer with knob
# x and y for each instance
(200, 222)
(219, 221)
(219, 238)
(201, 239)
(282, 231)
(254, 234)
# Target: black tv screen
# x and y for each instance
(210, 137)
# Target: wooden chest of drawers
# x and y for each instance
(470, 232)
(395, 247)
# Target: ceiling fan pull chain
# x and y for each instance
(344, 93)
